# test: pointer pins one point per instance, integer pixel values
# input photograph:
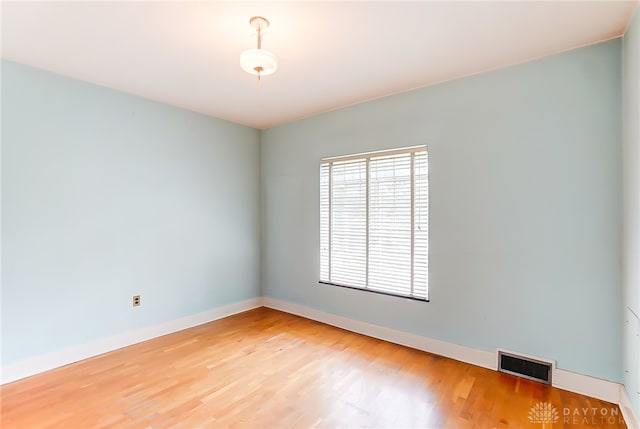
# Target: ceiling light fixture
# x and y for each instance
(258, 62)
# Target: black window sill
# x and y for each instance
(413, 298)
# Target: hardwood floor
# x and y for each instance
(269, 369)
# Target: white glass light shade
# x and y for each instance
(254, 60)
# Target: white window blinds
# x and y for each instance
(374, 222)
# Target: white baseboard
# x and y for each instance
(586, 385)
(567, 380)
(38, 364)
(631, 419)
(462, 353)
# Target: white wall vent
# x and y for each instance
(525, 367)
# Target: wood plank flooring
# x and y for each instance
(268, 369)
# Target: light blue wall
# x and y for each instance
(525, 208)
(631, 186)
(106, 195)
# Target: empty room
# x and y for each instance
(320, 214)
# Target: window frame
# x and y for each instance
(367, 156)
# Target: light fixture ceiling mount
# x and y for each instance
(258, 62)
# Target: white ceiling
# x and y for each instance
(331, 54)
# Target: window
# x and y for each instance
(374, 213)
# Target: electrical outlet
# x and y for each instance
(136, 300)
